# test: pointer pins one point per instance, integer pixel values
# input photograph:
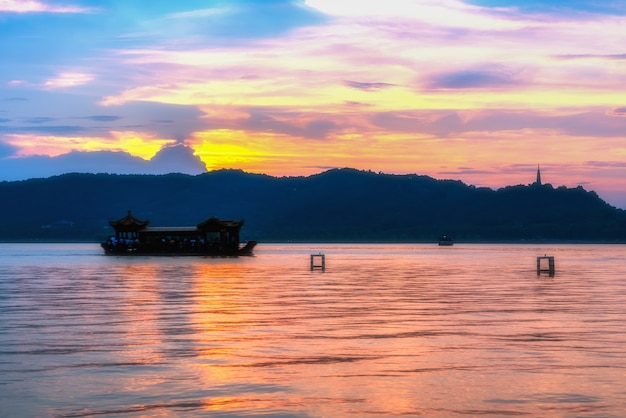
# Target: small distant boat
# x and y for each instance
(445, 241)
(213, 237)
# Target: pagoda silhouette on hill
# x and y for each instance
(537, 182)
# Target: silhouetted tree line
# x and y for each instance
(337, 205)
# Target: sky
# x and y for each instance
(481, 91)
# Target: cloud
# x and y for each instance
(173, 159)
(172, 121)
(445, 123)
(102, 118)
(592, 124)
(465, 171)
(441, 13)
(34, 6)
(318, 129)
(65, 80)
(292, 124)
(354, 104)
(6, 150)
(585, 124)
(367, 86)
(620, 111)
(612, 57)
(80, 123)
(609, 164)
(57, 130)
(471, 79)
(242, 19)
(38, 120)
(177, 159)
(15, 99)
(568, 7)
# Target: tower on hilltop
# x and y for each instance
(538, 181)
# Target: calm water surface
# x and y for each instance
(386, 330)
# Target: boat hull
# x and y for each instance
(133, 249)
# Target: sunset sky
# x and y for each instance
(480, 91)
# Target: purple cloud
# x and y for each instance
(357, 104)
(471, 79)
(102, 118)
(593, 56)
(606, 164)
(286, 123)
(7, 150)
(38, 120)
(444, 123)
(464, 171)
(620, 111)
(167, 121)
(55, 130)
(367, 86)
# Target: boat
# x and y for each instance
(213, 237)
(445, 241)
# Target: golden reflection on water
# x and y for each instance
(385, 331)
(217, 287)
(138, 317)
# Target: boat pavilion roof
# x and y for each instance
(214, 224)
(129, 223)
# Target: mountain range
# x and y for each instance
(339, 205)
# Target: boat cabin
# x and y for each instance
(446, 241)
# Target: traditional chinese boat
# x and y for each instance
(213, 237)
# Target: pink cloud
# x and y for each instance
(620, 111)
(65, 80)
(34, 6)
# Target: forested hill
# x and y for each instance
(337, 205)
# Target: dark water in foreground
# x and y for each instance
(386, 330)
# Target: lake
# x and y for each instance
(385, 330)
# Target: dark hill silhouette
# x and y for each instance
(336, 205)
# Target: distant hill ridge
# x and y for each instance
(337, 205)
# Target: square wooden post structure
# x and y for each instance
(318, 261)
(541, 269)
